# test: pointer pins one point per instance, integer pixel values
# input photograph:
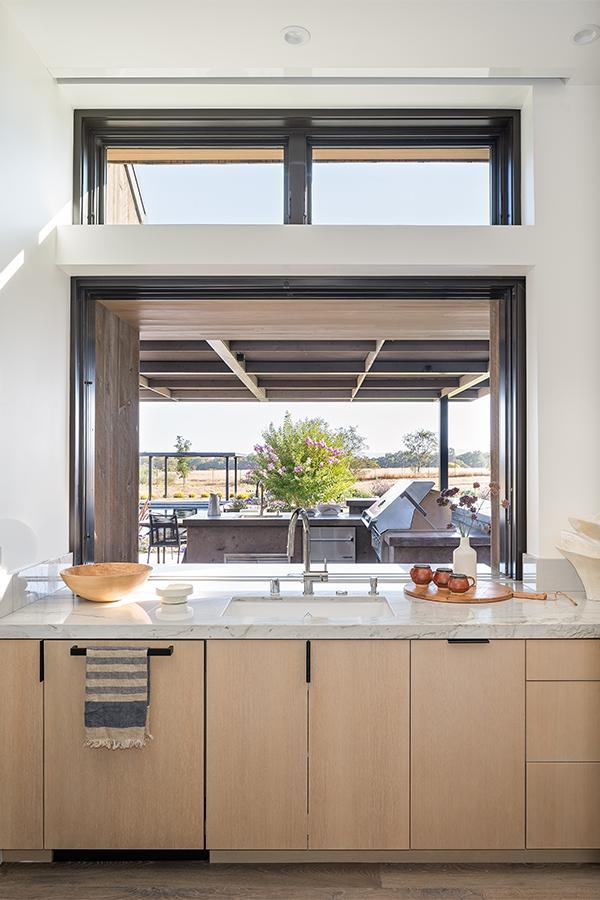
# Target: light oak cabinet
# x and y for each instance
(256, 754)
(563, 744)
(308, 751)
(359, 745)
(468, 745)
(21, 746)
(150, 798)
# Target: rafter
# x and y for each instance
(371, 357)
(163, 391)
(238, 368)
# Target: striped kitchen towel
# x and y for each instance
(117, 697)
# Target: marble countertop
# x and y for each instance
(62, 615)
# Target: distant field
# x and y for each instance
(369, 481)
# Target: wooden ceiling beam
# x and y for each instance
(304, 384)
(173, 346)
(470, 349)
(184, 367)
(408, 382)
(465, 383)
(371, 357)
(162, 391)
(238, 368)
(433, 366)
(208, 383)
(324, 347)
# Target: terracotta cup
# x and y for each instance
(460, 584)
(441, 578)
(421, 574)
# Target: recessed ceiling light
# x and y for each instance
(296, 35)
(586, 35)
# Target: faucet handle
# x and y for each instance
(275, 587)
(372, 587)
(325, 564)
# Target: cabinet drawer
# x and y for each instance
(570, 660)
(563, 810)
(563, 721)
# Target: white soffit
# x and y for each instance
(381, 39)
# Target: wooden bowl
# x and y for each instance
(105, 582)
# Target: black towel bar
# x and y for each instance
(152, 651)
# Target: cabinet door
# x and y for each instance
(468, 745)
(21, 746)
(359, 745)
(149, 798)
(256, 732)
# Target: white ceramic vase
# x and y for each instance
(464, 559)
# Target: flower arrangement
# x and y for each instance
(471, 501)
(303, 463)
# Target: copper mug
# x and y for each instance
(460, 584)
(441, 578)
(421, 575)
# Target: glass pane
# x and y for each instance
(400, 186)
(212, 186)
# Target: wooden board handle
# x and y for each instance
(529, 595)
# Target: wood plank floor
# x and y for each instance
(196, 881)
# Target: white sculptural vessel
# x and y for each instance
(582, 548)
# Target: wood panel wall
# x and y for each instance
(117, 439)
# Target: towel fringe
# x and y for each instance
(109, 744)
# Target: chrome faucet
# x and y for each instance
(309, 577)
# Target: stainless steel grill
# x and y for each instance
(395, 510)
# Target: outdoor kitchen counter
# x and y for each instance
(61, 615)
(210, 538)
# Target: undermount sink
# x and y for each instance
(298, 607)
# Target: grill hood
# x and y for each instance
(396, 508)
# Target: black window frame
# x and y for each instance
(507, 292)
(296, 131)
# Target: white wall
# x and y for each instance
(563, 300)
(35, 187)
(558, 250)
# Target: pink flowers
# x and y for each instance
(298, 470)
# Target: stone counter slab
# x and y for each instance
(62, 615)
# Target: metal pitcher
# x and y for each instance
(214, 505)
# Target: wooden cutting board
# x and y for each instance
(484, 592)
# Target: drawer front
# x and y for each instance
(563, 806)
(570, 660)
(563, 721)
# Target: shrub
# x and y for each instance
(304, 462)
(178, 495)
(192, 494)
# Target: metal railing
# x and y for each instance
(231, 464)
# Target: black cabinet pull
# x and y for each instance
(152, 651)
(468, 640)
(42, 661)
(308, 662)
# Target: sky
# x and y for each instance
(237, 427)
(343, 193)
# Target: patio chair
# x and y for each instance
(164, 532)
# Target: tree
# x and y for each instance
(421, 447)
(182, 465)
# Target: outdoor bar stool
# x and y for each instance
(164, 532)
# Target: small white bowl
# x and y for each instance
(174, 594)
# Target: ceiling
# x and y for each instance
(380, 38)
(295, 370)
(297, 350)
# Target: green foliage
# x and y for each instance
(421, 447)
(474, 459)
(306, 462)
(182, 463)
